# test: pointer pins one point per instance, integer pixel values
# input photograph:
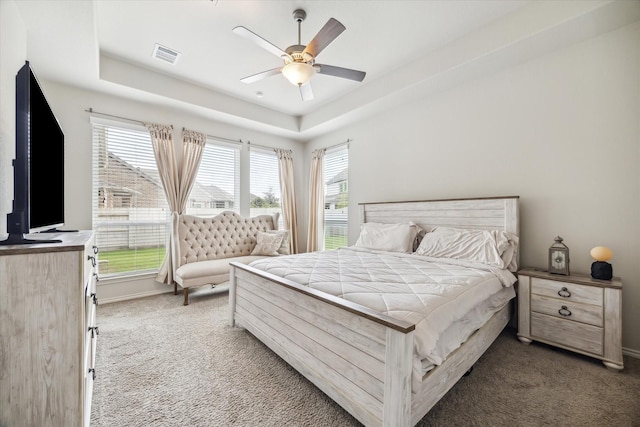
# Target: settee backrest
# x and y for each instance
(225, 235)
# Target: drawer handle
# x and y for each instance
(564, 292)
(564, 311)
(94, 298)
(95, 249)
(93, 371)
(96, 276)
(94, 329)
(92, 259)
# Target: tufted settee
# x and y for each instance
(204, 247)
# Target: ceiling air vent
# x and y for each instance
(165, 54)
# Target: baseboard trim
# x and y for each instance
(631, 352)
(134, 296)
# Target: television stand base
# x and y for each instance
(19, 239)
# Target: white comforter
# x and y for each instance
(413, 288)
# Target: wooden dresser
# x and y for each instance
(574, 312)
(48, 331)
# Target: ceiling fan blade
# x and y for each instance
(345, 73)
(253, 37)
(260, 76)
(306, 92)
(332, 29)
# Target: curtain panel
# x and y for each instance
(162, 142)
(177, 183)
(289, 214)
(316, 202)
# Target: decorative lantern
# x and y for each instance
(559, 257)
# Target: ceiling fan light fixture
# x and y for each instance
(298, 73)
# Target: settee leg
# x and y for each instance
(175, 288)
(185, 291)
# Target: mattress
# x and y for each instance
(435, 295)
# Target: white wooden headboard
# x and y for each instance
(495, 213)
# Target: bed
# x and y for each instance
(365, 358)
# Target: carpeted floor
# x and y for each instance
(160, 363)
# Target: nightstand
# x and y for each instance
(574, 312)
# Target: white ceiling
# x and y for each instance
(107, 46)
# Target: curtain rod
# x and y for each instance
(91, 111)
(221, 138)
(338, 145)
(260, 146)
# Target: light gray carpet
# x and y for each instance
(160, 363)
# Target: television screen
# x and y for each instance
(38, 168)
(46, 163)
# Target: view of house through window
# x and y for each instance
(130, 212)
(217, 186)
(264, 184)
(336, 200)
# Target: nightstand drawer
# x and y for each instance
(567, 333)
(568, 310)
(567, 291)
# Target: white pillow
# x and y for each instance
(268, 244)
(388, 237)
(482, 246)
(284, 247)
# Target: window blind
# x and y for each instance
(217, 185)
(265, 195)
(336, 197)
(130, 212)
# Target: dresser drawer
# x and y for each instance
(569, 310)
(90, 259)
(566, 333)
(567, 291)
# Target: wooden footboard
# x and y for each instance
(359, 358)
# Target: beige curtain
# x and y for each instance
(162, 141)
(177, 183)
(316, 203)
(289, 214)
(192, 148)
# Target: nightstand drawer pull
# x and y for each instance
(564, 311)
(564, 292)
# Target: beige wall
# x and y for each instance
(561, 131)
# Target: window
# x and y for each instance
(217, 185)
(336, 200)
(264, 183)
(130, 212)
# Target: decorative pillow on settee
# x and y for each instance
(284, 247)
(268, 244)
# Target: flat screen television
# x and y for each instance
(38, 168)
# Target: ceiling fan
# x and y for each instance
(299, 60)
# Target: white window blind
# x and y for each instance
(265, 195)
(130, 211)
(336, 200)
(217, 186)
